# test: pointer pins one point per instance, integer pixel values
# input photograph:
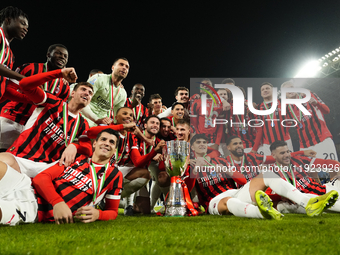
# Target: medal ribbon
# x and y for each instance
(270, 115)
(75, 126)
(144, 144)
(242, 164)
(139, 112)
(291, 181)
(112, 98)
(97, 188)
(119, 157)
(293, 113)
(210, 115)
(3, 55)
(45, 69)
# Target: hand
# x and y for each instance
(226, 106)
(65, 81)
(253, 151)
(160, 146)
(164, 107)
(68, 156)
(91, 214)
(313, 101)
(105, 121)
(309, 153)
(130, 126)
(69, 74)
(158, 158)
(62, 213)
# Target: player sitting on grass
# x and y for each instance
(300, 170)
(63, 192)
(215, 194)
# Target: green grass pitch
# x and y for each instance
(295, 234)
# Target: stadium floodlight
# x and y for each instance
(309, 70)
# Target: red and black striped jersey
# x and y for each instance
(297, 175)
(209, 184)
(6, 59)
(204, 124)
(249, 164)
(273, 130)
(20, 112)
(238, 125)
(312, 129)
(140, 112)
(43, 139)
(74, 186)
(126, 144)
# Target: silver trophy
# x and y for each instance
(175, 157)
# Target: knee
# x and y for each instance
(222, 206)
(9, 159)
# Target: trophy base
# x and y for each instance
(173, 211)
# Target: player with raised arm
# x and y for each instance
(50, 133)
(14, 115)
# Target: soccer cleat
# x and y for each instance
(265, 205)
(128, 211)
(317, 205)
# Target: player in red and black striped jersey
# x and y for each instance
(43, 141)
(204, 124)
(312, 129)
(271, 128)
(15, 114)
(64, 192)
(13, 24)
(140, 112)
(301, 171)
(220, 200)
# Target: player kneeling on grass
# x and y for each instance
(222, 199)
(64, 192)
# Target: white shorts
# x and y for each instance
(242, 194)
(264, 149)
(9, 132)
(125, 169)
(333, 185)
(325, 150)
(31, 168)
(17, 199)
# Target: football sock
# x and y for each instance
(154, 194)
(285, 189)
(242, 209)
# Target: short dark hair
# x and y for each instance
(123, 107)
(94, 71)
(181, 88)
(228, 141)
(83, 83)
(198, 136)
(165, 119)
(11, 12)
(151, 116)
(176, 103)
(154, 96)
(277, 144)
(111, 132)
(114, 62)
(228, 80)
(53, 46)
(266, 83)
